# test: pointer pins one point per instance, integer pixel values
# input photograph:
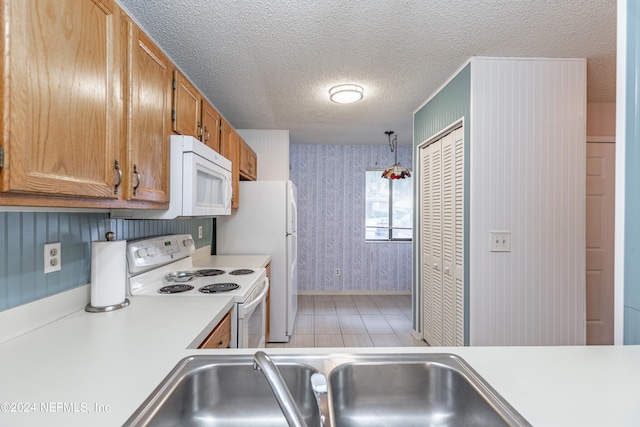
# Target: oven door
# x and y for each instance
(252, 318)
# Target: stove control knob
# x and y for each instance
(141, 253)
(188, 242)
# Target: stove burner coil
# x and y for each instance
(185, 276)
(174, 289)
(218, 287)
(181, 276)
(209, 272)
(241, 272)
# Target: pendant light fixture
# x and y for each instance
(396, 171)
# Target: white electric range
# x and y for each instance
(163, 267)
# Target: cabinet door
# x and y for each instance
(210, 126)
(186, 107)
(229, 148)
(62, 108)
(248, 162)
(148, 119)
(220, 337)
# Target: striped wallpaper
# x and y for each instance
(331, 221)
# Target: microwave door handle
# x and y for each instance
(257, 300)
(228, 188)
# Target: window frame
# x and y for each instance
(389, 227)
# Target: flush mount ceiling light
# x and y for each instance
(396, 171)
(346, 94)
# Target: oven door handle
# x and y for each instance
(248, 308)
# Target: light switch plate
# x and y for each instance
(500, 241)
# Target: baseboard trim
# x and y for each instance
(354, 292)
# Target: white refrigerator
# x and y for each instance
(266, 223)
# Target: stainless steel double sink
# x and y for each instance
(363, 390)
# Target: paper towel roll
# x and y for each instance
(108, 272)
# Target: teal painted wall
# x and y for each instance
(23, 235)
(632, 179)
(451, 103)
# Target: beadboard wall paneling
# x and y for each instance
(450, 104)
(272, 149)
(331, 220)
(629, 199)
(528, 173)
(23, 235)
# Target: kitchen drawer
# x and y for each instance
(220, 337)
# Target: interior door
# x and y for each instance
(600, 242)
(442, 229)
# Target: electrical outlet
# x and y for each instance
(199, 232)
(337, 271)
(52, 257)
(500, 241)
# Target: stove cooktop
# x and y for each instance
(163, 266)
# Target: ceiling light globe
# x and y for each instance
(346, 94)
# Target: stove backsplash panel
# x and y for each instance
(23, 235)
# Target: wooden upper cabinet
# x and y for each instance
(186, 107)
(62, 105)
(248, 162)
(230, 148)
(210, 126)
(148, 120)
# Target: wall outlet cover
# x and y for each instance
(52, 257)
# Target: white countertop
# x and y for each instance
(96, 369)
(101, 360)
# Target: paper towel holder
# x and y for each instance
(110, 236)
(92, 309)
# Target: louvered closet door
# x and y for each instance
(458, 215)
(448, 241)
(442, 204)
(428, 322)
(425, 219)
(432, 244)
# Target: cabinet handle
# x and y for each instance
(116, 166)
(137, 175)
(221, 345)
(446, 271)
(206, 139)
(199, 129)
(435, 265)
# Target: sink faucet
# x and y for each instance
(262, 362)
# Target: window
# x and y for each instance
(389, 214)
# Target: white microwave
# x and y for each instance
(200, 183)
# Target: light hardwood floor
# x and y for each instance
(352, 321)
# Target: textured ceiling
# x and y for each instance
(268, 64)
